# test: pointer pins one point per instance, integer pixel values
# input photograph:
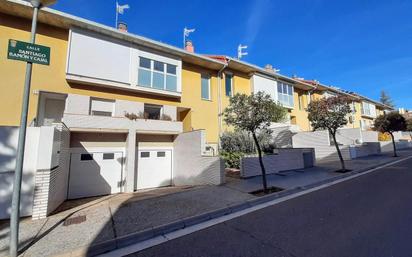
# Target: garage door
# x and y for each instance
(95, 173)
(154, 168)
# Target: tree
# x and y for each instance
(254, 113)
(330, 114)
(389, 123)
(386, 99)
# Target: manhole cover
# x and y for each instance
(74, 220)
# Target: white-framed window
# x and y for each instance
(285, 94)
(157, 75)
(368, 109)
(228, 84)
(152, 111)
(205, 87)
(101, 107)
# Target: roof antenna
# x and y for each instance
(240, 54)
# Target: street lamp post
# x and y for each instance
(15, 206)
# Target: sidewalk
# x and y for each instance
(91, 222)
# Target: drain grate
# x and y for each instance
(74, 220)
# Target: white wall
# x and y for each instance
(98, 59)
(286, 159)
(363, 150)
(8, 148)
(94, 56)
(264, 84)
(190, 167)
(77, 104)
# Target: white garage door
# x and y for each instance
(95, 173)
(154, 168)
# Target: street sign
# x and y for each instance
(27, 52)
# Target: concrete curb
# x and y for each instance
(161, 230)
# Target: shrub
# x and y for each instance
(232, 159)
(236, 144)
(166, 117)
(384, 136)
(241, 141)
(133, 116)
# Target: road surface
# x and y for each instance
(369, 216)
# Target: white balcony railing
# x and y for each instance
(90, 122)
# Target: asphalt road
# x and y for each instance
(369, 216)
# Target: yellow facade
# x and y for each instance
(203, 114)
(299, 115)
(196, 113)
(240, 84)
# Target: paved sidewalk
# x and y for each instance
(322, 171)
(106, 218)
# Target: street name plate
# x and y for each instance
(22, 51)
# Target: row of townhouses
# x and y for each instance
(116, 112)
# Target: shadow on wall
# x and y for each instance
(8, 149)
(87, 178)
(283, 138)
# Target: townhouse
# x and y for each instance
(116, 112)
(364, 109)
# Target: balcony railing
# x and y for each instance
(90, 122)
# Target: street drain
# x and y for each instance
(74, 220)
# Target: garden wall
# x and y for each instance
(285, 159)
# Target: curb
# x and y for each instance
(161, 230)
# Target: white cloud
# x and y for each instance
(258, 12)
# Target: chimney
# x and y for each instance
(122, 26)
(269, 67)
(189, 46)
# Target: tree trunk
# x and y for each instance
(342, 162)
(395, 154)
(262, 166)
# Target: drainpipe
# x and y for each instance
(219, 90)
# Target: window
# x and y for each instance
(228, 84)
(145, 154)
(101, 107)
(285, 94)
(368, 109)
(205, 84)
(161, 154)
(86, 157)
(300, 98)
(108, 156)
(157, 75)
(152, 111)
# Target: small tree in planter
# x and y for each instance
(389, 123)
(254, 113)
(330, 114)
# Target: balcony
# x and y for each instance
(78, 122)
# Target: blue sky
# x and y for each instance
(358, 45)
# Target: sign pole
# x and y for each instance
(15, 206)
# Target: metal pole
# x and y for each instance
(15, 206)
(184, 38)
(117, 14)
